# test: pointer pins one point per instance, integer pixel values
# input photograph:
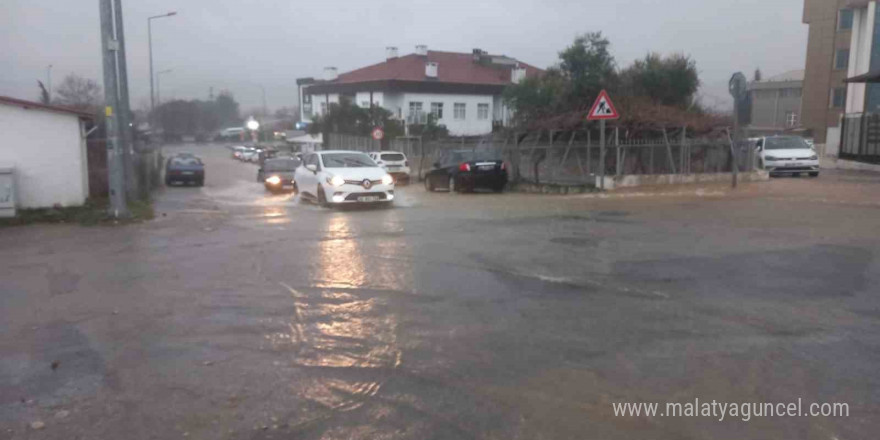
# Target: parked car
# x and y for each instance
(394, 162)
(250, 155)
(467, 170)
(184, 168)
(278, 174)
(342, 177)
(787, 155)
(237, 151)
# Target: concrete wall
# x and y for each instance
(48, 153)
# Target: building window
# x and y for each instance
(365, 104)
(841, 59)
(845, 20)
(482, 111)
(323, 108)
(791, 119)
(838, 97)
(765, 94)
(437, 110)
(416, 115)
(459, 111)
(790, 93)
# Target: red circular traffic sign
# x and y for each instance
(378, 133)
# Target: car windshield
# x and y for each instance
(393, 157)
(347, 160)
(280, 165)
(786, 143)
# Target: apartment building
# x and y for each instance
(829, 63)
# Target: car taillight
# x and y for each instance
(406, 163)
(503, 166)
(464, 167)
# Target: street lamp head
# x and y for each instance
(252, 124)
(172, 13)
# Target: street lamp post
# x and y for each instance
(159, 85)
(49, 81)
(150, 38)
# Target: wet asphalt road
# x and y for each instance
(241, 315)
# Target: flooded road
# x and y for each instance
(238, 314)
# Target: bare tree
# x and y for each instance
(80, 93)
(44, 94)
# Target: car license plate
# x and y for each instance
(392, 168)
(188, 173)
(487, 167)
(794, 164)
(287, 185)
(368, 199)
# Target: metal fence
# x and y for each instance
(861, 137)
(573, 157)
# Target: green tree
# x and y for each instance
(589, 68)
(347, 118)
(537, 97)
(671, 81)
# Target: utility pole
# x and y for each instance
(115, 166)
(124, 117)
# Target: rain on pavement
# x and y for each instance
(240, 314)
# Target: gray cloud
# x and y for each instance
(241, 46)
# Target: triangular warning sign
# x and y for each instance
(603, 108)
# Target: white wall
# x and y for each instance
(860, 55)
(48, 153)
(470, 126)
(317, 101)
(364, 97)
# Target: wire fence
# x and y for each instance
(574, 157)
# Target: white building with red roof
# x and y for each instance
(462, 90)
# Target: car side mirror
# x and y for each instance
(436, 164)
(260, 170)
(312, 167)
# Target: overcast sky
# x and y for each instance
(241, 46)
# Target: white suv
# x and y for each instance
(787, 155)
(394, 162)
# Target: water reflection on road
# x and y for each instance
(342, 332)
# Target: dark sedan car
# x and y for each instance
(184, 168)
(467, 170)
(277, 174)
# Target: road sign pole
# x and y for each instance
(602, 154)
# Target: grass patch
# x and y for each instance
(92, 213)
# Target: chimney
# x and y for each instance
(390, 52)
(477, 52)
(330, 74)
(422, 50)
(431, 69)
(517, 74)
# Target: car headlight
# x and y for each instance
(336, 181)
(274, 180)
(814, 157)
(387, 179)
(770, 158)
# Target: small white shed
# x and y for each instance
(46, 146)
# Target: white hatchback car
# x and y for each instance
(787, 155)
(343, 177)
(394, 162)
